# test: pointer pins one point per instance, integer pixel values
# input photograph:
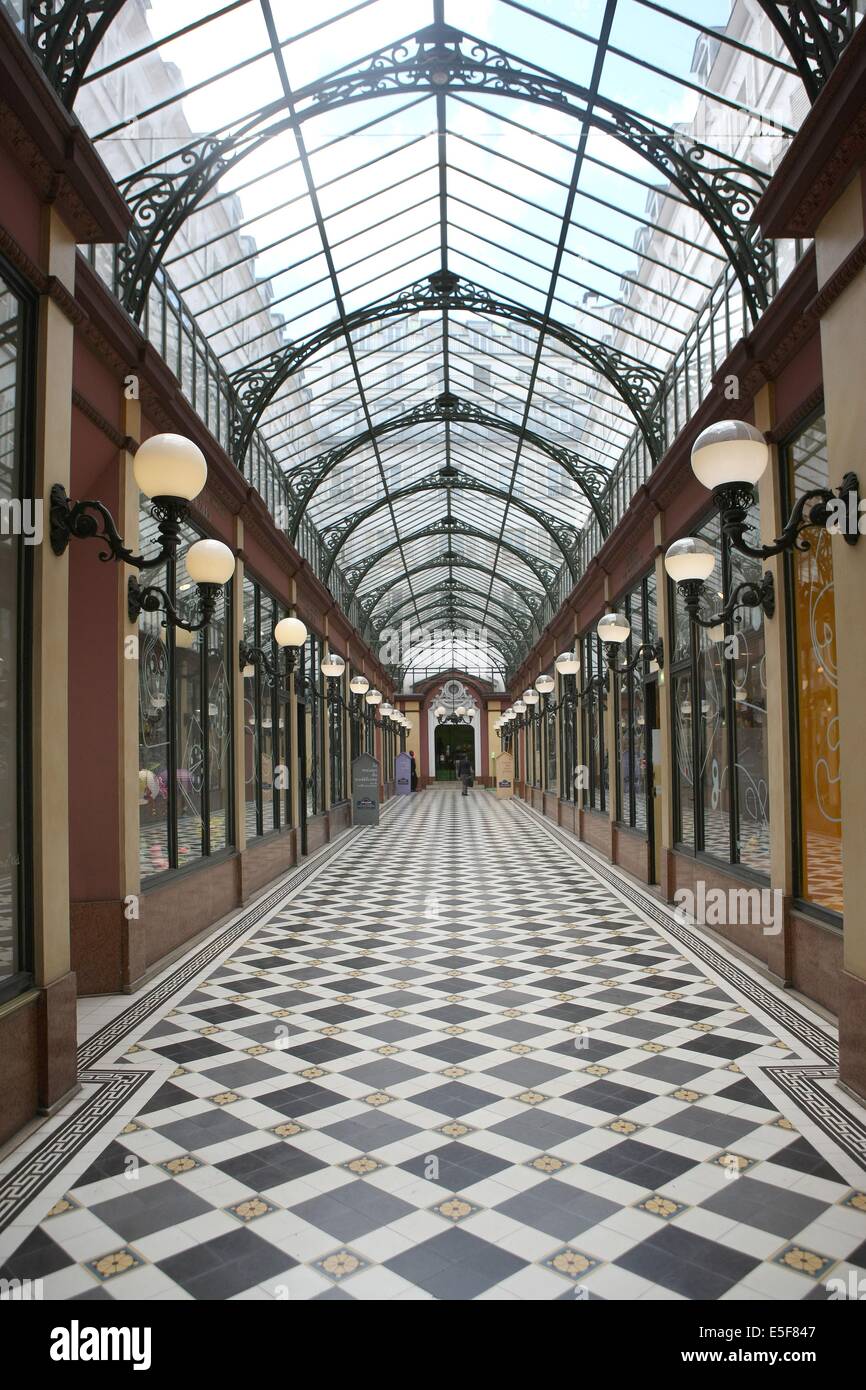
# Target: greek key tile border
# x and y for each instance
(806, 1030)
(22, 1184)
(841, 1125)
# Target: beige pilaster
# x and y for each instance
(665, 821)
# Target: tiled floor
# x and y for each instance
(454, 1064)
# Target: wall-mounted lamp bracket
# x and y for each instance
(90, 519)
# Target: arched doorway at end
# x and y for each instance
(450, 743)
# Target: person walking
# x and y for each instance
(464, 773)
(414, 779)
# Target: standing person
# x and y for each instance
(414, 778)
(464, 772)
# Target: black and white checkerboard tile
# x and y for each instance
(457, 1064)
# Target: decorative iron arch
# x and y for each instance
(354, 575)
(450, 560)
(66, 35)
(566, 538)
(162, 196)
(448, 597)
(304, 481)
(636, 383)
(440, 607)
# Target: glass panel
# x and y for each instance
(219, 715)
(750, 722)
(817, 709)
(252, 749)
(189, 721)
(682, 705)
(12, 328)
(154, 756)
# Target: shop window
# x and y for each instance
(634, 752)
(719, 701)
(814, 675)
(267, 781)
(313, 723)
(16, 373)
(185, 724)
(592, 716)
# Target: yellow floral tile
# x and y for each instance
(132, 1127)
(224, 1098)
(804, 1261)
(387, 1051)
(657, 1205)
(621, 1126)
(251, 1209)
(378, 1098)
(311, 1073)
(288, 1129)
(455, 1030)
(520, 1048)
(62, 1206)
(652, 1047)
(363, 1165)
(455, 1130)
(340, 1264)
(256, 1051)
(184, 1164)
(547, 1163)
(854, 1199)
(685, 1094)
(782, 1123)
(396, 1013)
(702, 1028)
(733, 1162)
(531, 1097)
(454, 1209)
(331, 1031)
(572, 1263)
(114, 1263)
(597, 1069)
(453, 1072)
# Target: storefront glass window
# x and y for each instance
(814, 656)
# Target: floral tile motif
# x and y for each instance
(341, 1264)
(804, 1261)
(572, 1263)
(116, 1262)
(251, 1208)
(657, 1205)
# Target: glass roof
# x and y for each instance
(571, 173)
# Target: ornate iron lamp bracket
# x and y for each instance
(90, 519)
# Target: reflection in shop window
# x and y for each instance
(633, 737)
(719, 700)
(815, 673)
(266, 752)
(184, 779)
(15, 371)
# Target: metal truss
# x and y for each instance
(454, 602)
(592, 479)
(65, 35)
(438, 59)
(354, 575)
(636, 383)
(451, 560)
(566, 537)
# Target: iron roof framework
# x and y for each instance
(441, 229)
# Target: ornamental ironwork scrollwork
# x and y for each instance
(815, 33)
(566, 537)
(65, 37)
(636, 383)
(302, 482)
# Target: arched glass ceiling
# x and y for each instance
(446, 268)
